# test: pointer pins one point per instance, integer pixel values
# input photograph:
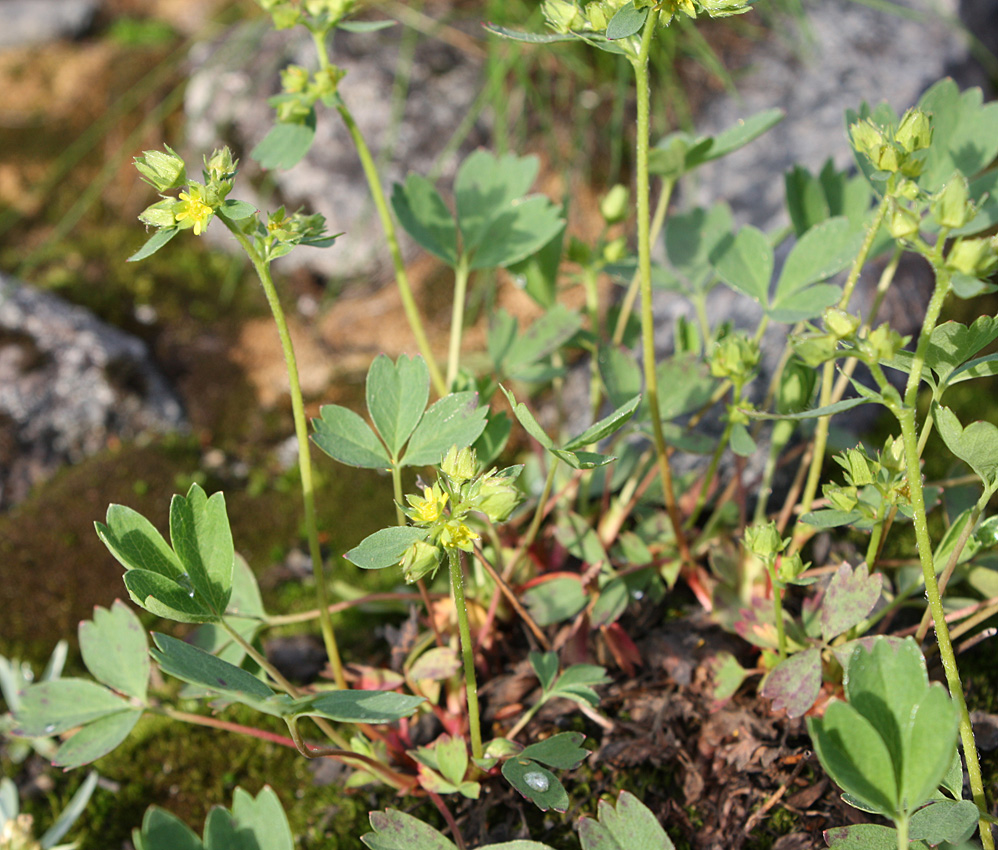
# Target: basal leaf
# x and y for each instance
(162, 830)
(561, 751)
(202, 539)
(794, 684)
(866, 836)
(264, 818)
(691, 238)
(824, 250)
(689, 383)
(53, 707)
(96, 739)
(517, 233)
(136, 543)
(154, 243)
(536, 783)
(929, 748)
(631, 825)
(190, 664)
(346, 437)
(613, 599)
(396, 397)
(542, 339)
(851, 595)
(114, 648)
(545, 665)
(626, 22)
(745, 262)
(165, 597)
(455, 420)
(398, 831)
(485, 188)
(425, 217)
(952, 821)
(386, 547)
(286, 144)
(620, 373)
(553, 600)
(355, 706)
(885, 685)
(856, 757)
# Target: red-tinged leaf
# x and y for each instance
(794, 684)
(625, 651)
(851, 595)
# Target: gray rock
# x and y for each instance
(226, 101)
(28, 22)
(68, 384)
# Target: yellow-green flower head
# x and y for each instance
(734, 356)
(460, 465)
(294, 79)
(840, 323)
(192, 211)
(336, 9)
(457, 535)
(162, 171)
(914, 133)
(562, 15)
(161, 214)
(614, 205)
(420, 560)
(763, 540)
(790, 567)
(430, 508)
(497, 496)
(952, 207)
(976, 257)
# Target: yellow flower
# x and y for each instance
(430, 508)
(192, 208)
(456, 535)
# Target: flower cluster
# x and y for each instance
(444, 509)
(194, 207)
(565, 16)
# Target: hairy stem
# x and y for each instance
(467, 650)
(262, 268)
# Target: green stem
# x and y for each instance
(828, 373)
(627, 305)
(467, 650)
(902, 830)
(781, 635)
(388, 224)
(923, 542)
(640, 65)
(461, 274)
(304, 457)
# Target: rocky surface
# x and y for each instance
(28, 22)
(69, 385)
(226, 101)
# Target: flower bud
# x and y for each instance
(562, 15)
(914, 133)
(796, 387)
(857, 467)
(815, 349)
(160, 214)
(841, 498)
(840, 323)
(614, 205)
(866, 137)
(285, 16)
(734, 357)
(615, 251)
(903, 223)
(882, 343)
(326, 81)
(951, 207)
(789, 567)
(460, 465)
(294, 79)
(162, 171)
(421, 559)
(975, 257)
(892, 456)
(497, 495)
(763, 540)
(596, 16)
